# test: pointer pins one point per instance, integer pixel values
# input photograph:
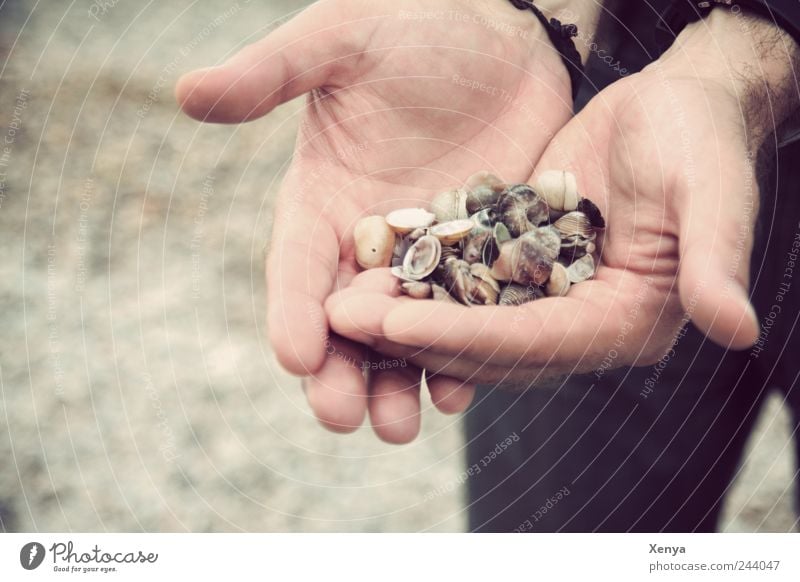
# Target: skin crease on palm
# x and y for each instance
(384, 89)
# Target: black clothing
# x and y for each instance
(645, 449)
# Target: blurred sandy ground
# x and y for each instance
(138, 391)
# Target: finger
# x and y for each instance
(550, 332)
(298, 57)
(450, 395)
(337, 394)
(716, 222)
(359, 313)
(394, 403)
(302, 267)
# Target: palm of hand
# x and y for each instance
(671, 242)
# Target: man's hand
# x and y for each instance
(669, 157)
(407, 99)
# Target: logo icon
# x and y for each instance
(31, 555)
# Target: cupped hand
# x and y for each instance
(668, 156)
(406, 98)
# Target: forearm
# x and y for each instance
(751, 57)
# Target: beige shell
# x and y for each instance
(374, 242)
(450, 205)
(528, 259)
(439, 293)
(449, 233)
(422, 258)
(487, 289)
(582, 269)
(559, 188)
(417, 289)
(558, 284)
(574, 223)
(405, 220)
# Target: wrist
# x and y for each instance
(750, 57)
(585, 14)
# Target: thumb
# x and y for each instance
(716, 237)
(294, 59)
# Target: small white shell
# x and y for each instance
(558, 284)
(452, 231)
(559, 188)
(405, 220)
(422, 258)
(374, 242)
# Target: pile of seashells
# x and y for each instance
(489, 242)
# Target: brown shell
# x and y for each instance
(521, 209)
(574, 223)
(514, 294)
(483, 190)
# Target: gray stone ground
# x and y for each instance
(137, 391)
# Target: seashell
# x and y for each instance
(405, 220)
(439, 293)
(458, 280)
(559, 188)
(574, 223)
(486, 217)
(521, 209)
(591, 210)
(581, 270)
(450, 205)
(591, 248)
(483, 189)
(558, 284)
(448, 252)
(514, 294)
(421, 259)
(487, 288)
(502, 267)
(374, 242)
(449, 233)
(484, 179)
(528, 259)
(417, 289)
(478, 237)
